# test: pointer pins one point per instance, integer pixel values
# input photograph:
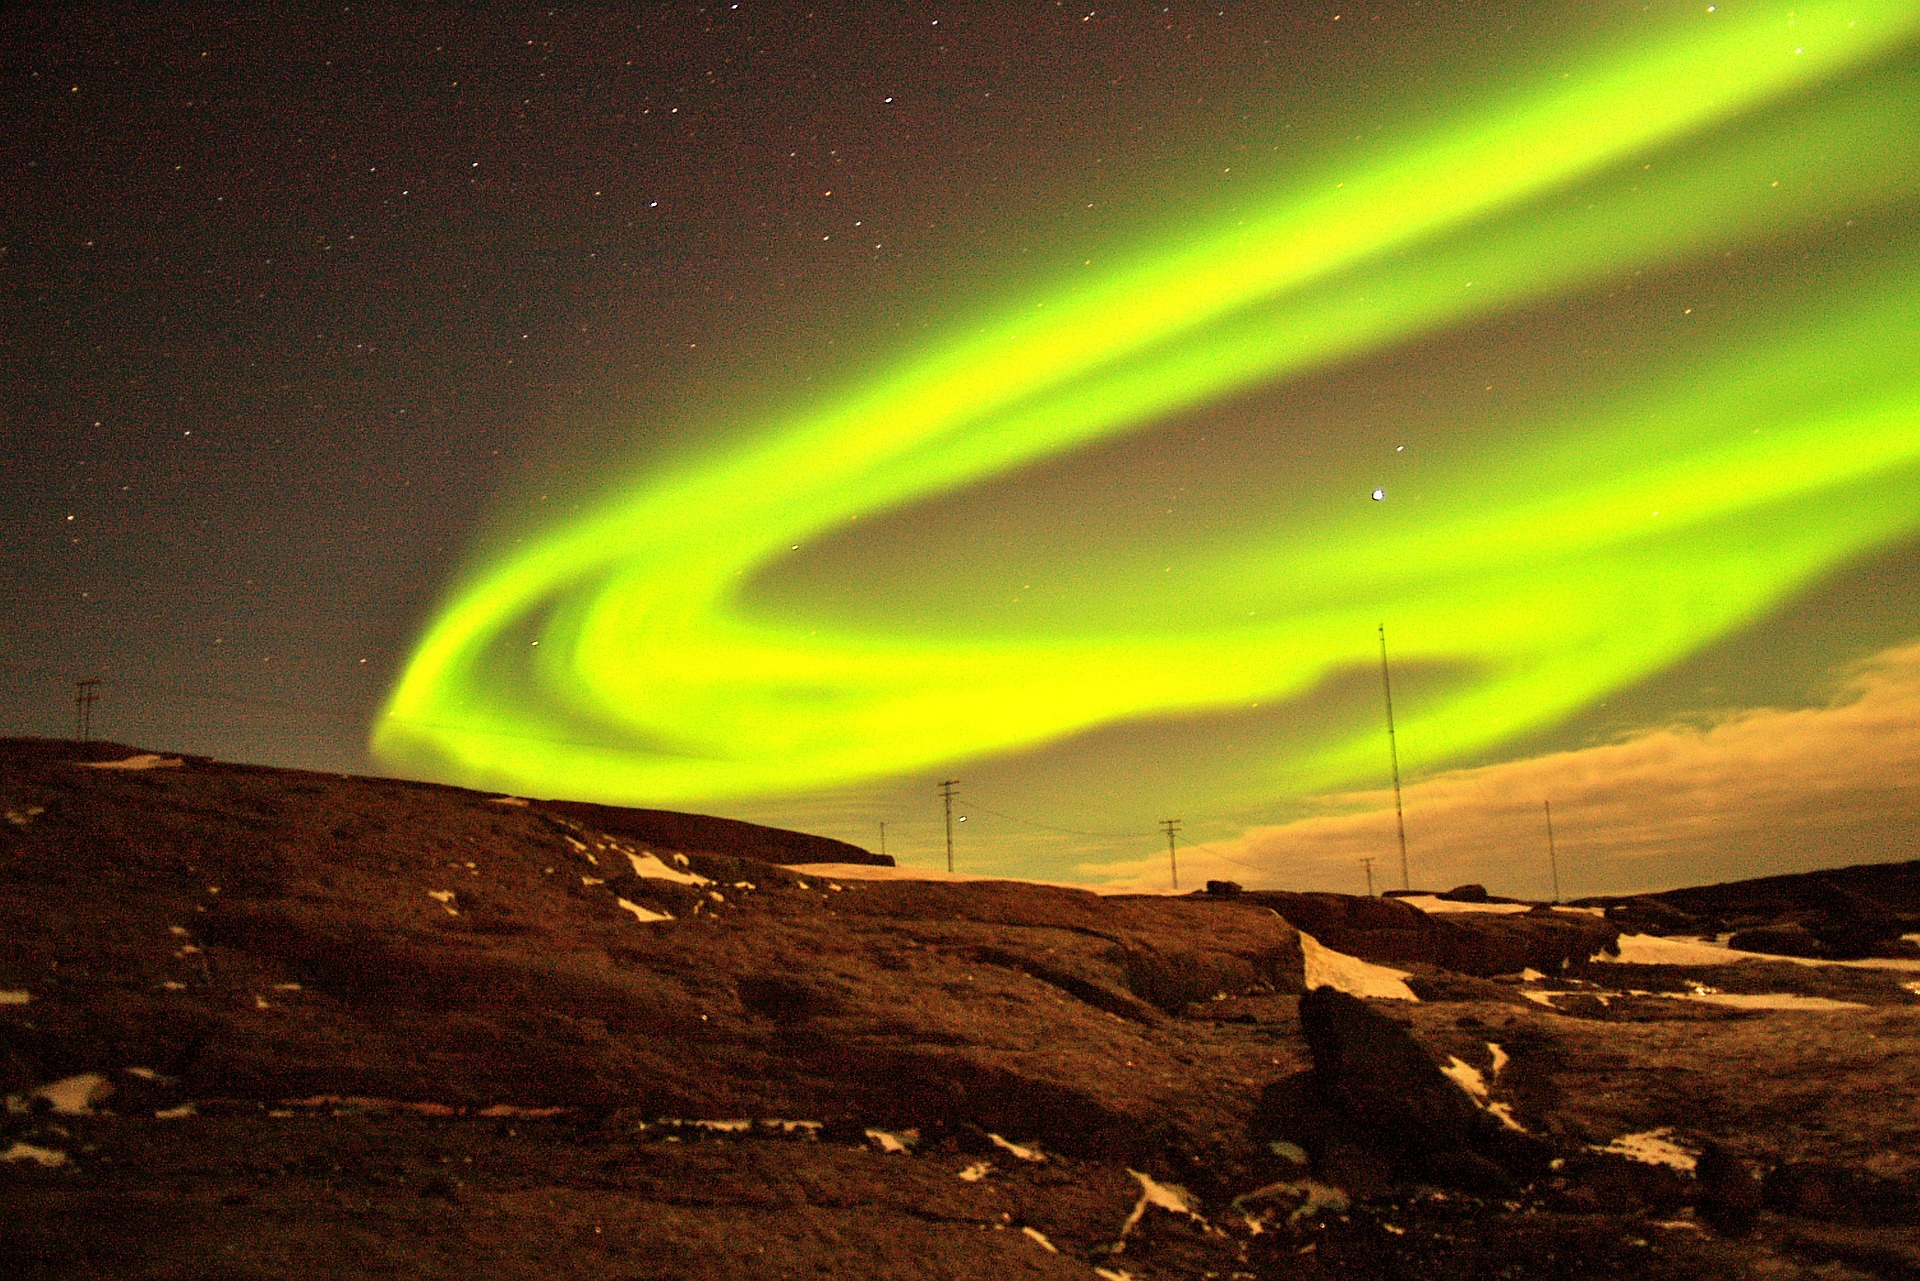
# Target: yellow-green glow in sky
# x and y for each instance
(632, 655)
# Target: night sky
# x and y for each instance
(773, 410)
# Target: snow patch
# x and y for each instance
(889, 1141)
(1504, 1113)
(507, 800)
(1432, 904)
(1500, 1059)
(1531, 975)
(180, 1113)
(1022, 1152)
(649, 868)
(145, 760)
(47, 1158)
(1764, 1000)
(1041, 1239)
(1168, 1196)
(76, 1095)
(15, 998)
(976, 1172)
(641, 914)
(1652, 949)
(1652, 1147)
(1325, 967)
(1466, 1076)
(445, 899)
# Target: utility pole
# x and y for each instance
(1553, 859)
(1393, 753)
(85, 694)
(1172, 825)
(946, 794)
(1368, 863)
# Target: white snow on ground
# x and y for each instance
(1433, 903)
(1466, 1076)
(1328, 968)
(1018, 1150)
(1913, 987)
(1765, 1000)
(1652, 1147)
(1531, 975)
(180, 1113)
(976, 1172)
(506, 800)
(891, 1142)
(445, 899)
(641, 914)
(47, 1157)
(1500, 1059)
(648, 867)
(76, 1095)
(1113, 1274)
(15, 998)
(146, 760)
(1652, 949)
(1038, 1236)
(1168, 1196)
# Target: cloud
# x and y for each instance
(1754, 793)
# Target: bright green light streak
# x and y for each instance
(651, 683)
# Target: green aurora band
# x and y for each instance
(1586, 551)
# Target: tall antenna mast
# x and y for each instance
(1172, 825)
(1393, 754)
(1553, 859)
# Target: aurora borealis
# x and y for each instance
(772, 411)
(1548, 558)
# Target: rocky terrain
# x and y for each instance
(262, 1023)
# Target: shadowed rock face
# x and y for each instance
(1384, 1085)
(1389, 932)
(1845, 913)
(272, 934)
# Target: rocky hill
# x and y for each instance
(262, 1023)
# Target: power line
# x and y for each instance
(946, 795)
(85, 694)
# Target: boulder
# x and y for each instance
(1370, 1071)
(1787, 938)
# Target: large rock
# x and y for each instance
(1389, 932)
(1371, 1071)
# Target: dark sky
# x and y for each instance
(312, 320)
(295, 303)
